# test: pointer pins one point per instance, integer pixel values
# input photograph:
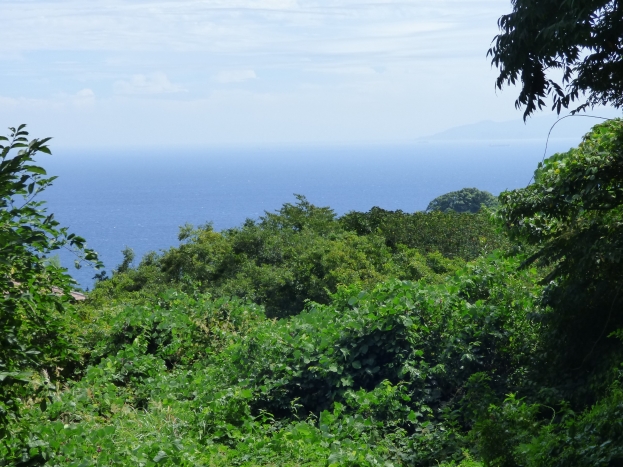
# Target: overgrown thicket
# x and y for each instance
(303, 252)
(33, 290)
(375, 377)
(376, 338)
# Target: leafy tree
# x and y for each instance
(33, 288)
(465, 200)
(377, 377)
(296, 254)
(303, 252)
(582, 39)
(452, 234)
(128, 259)
(573, 215)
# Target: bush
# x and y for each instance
(373, 378)
(303, 252)
(34, 291)
(467, 200)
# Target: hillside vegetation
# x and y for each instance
(303, 252)
(377, 338)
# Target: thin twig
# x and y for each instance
(552, 127)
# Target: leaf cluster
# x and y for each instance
(34, 291)
(573, 216)
(304, 252)
(581, 40)
(466, 200)
(375, 377)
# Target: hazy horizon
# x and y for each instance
(242, 72)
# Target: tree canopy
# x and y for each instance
(494, 352)
(304, 252)
(465, 200)
(33, 289)
(573, 215)
(580, 40)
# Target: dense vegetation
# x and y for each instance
(465, 200)
(304, 252)
(305, 338)
(33, 289)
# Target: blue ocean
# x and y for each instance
(139, 198)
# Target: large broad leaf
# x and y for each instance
(35, 169)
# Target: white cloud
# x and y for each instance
(84, 98)
(235, 76)
(154, 83)
(331, 70)
(346, 69)
(235, 26)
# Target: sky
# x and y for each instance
(245, 72)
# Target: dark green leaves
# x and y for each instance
(33, 291)
(572, 218)
(466, 200)
(573, 209)
(578, 40)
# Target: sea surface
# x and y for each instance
(140, 197)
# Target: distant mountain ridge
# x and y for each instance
(572, 128)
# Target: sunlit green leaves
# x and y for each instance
(33, 292)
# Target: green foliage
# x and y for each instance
(594, 438)
(178, 329)
(34, 290)
(389, 334)
(465, 200)
(573, 209)
(403, 340)
(374, 378)
(573, 215)
(503, 429)
(303, 252)
(517, 433)
(452, 234)
(128, 258)
(579, 40)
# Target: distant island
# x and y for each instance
(534, 129)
